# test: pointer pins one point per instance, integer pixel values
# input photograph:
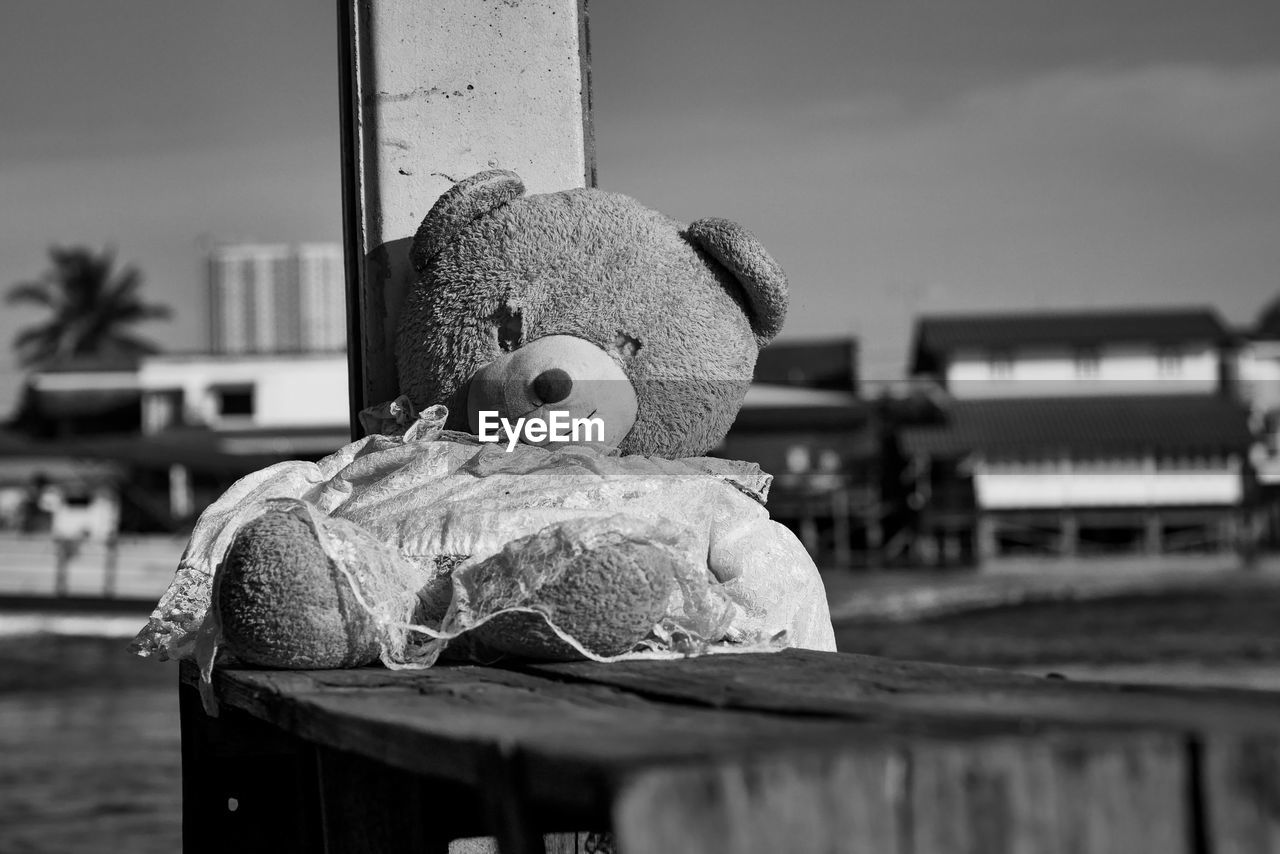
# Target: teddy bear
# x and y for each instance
(540, 488)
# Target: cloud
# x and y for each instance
(1202, 110)
(1077, 187)
(1157, 132)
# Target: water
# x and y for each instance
(90, 747)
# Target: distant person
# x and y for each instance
(36, 515)
(70, 529)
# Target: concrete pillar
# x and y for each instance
(926, 550)
(1251, 523)
(1153, 534)
(842, 551)
(951, 552)
(1228, 532)
(874, 521)
(1068, 535)
(432, 93)
(985, 534)
(181, 497)
(875, 537)
(111, 568)
(809, 533)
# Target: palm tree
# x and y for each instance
(93, 307)
(1269, 320)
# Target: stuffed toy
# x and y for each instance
(538, 489)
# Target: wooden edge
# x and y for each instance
(798, 682)
(1238, 782)
(588, 732)
(588, 120)
(352, 223)
(1075, 793)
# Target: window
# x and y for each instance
(234, 401)
(798, 459)
(1271, 431)
(1169, 361)
(77, 498)
(1000, 365)
(1088, 363)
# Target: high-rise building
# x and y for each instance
(322, 290)
(275, 298)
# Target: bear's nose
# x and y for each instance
(552, 385)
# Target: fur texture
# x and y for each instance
(282, 606)
(757, 272)
(683, 311)
(606, 588)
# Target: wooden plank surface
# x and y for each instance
(605, 716)
(864, 749)
(800, 682)
(570, 740)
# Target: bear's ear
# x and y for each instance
(465, 201)
(757, 272)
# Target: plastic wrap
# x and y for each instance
(457, 516)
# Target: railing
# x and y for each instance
(130, 567)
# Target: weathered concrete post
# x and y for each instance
(433, 92)
(1068, 535)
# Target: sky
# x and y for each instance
(896, 156)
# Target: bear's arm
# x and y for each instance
(765, 569)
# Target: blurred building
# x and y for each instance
(1258, 379)
(261, 393)
(1074, 354)
(182, 427)
(829, 364)
(1069, 433)
(803, 422)
(1258, 374)
(80, 396)
(276, 298)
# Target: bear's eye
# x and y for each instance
(508, 325)
(626, 346)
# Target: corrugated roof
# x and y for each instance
(1082, 425)
(1268, 326)
(107, 362)
(941, 334)
(825, 364)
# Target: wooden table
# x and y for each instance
(790, 752)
